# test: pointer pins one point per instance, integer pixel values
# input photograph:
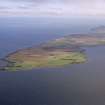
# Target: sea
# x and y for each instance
(77, 84)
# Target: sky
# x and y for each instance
(56, 8)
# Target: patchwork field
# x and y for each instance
(56, 58)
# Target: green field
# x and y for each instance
(50, 59)
(56, 53)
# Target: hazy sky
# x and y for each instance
(64, 8)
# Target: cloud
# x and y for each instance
(62, 8)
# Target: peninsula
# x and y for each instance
(55, 53)
(99, 29)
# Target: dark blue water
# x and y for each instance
(82, 84)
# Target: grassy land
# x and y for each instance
(49, 59)
(81, 40)
(59, 52)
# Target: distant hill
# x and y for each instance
(99, 29)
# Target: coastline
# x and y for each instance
(59, 52)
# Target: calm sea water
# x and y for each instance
(81, 84)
